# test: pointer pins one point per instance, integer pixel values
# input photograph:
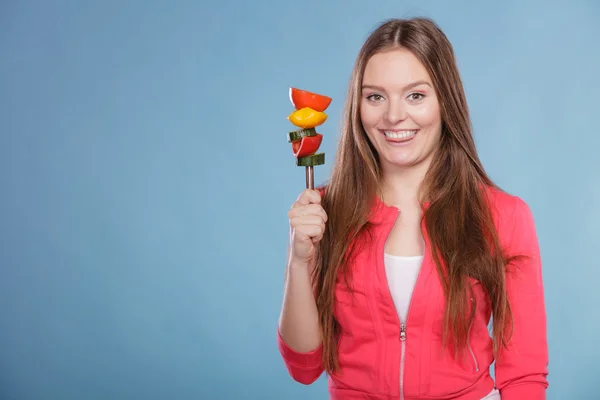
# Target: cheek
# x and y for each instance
(369, 116)
(427, 115)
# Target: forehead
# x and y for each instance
(394, 68)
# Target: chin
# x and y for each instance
(401, 156)
(401, 162)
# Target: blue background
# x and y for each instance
(145, 181)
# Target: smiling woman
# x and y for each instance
(400, 112)
(398, 263)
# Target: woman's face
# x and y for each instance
(399, 109)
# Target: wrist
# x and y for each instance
(301, 265)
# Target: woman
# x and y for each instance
(396, 266)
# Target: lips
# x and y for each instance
(400, 136)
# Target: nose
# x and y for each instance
(396, 111)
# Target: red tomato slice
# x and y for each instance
(307, 146)
(302, 98)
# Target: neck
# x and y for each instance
(402, 186)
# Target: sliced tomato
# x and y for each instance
(307, 146)
(303, 98)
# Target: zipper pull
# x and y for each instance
(402, 332)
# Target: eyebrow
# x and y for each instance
(407, 87)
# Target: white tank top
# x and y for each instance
(402, 274)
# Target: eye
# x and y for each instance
(375, 97)
(416, 96)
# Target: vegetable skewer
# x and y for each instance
(308, 114)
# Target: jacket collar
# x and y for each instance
(381, 212)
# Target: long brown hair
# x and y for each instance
(458, 220)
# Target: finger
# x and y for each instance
(311, 209)
(319, 237)
(307, 220)
(308, 196)
(314, 209)
(309, 231)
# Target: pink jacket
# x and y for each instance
(381, 360)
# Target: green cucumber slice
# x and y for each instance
(311, 161)
(299, 134)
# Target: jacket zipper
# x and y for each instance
(471, 349)
(403, 340)
(403, 324)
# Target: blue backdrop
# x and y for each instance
(145, 180)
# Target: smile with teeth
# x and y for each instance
(400, 135)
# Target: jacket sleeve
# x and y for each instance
(522, 367)
(304, 368)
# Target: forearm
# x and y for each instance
(299, 319)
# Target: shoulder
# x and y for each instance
(504, 204)
(510, 212)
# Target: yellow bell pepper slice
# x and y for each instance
(307, 118)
